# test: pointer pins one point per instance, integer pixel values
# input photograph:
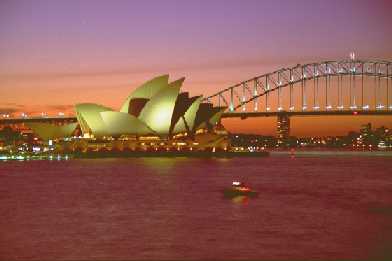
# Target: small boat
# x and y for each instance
(239, 189)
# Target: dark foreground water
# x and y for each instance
(165, 208)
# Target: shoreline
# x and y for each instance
(163, 154)
(228, 154)
(330, 153)
(189, 154)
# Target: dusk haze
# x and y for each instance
(58, 53)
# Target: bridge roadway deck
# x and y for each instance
(244, 115)
(37, 119)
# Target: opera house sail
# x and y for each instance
(156, 110)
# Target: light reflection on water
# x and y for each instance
(174, 208)
(162, 165)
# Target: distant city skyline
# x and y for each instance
(55, 54)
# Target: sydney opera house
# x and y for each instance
(156, 116)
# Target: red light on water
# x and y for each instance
(355, 113)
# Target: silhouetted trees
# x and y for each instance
(9, 136)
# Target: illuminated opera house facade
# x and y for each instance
(156, 116)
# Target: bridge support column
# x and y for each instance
(283, 128)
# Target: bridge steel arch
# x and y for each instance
(236, 97)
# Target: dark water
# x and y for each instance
(160, 208)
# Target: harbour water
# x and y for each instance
(330, 207)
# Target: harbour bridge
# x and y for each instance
(330, 87)
(346, 87)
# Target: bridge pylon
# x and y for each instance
(282, 127)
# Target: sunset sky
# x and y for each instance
(54, 54)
